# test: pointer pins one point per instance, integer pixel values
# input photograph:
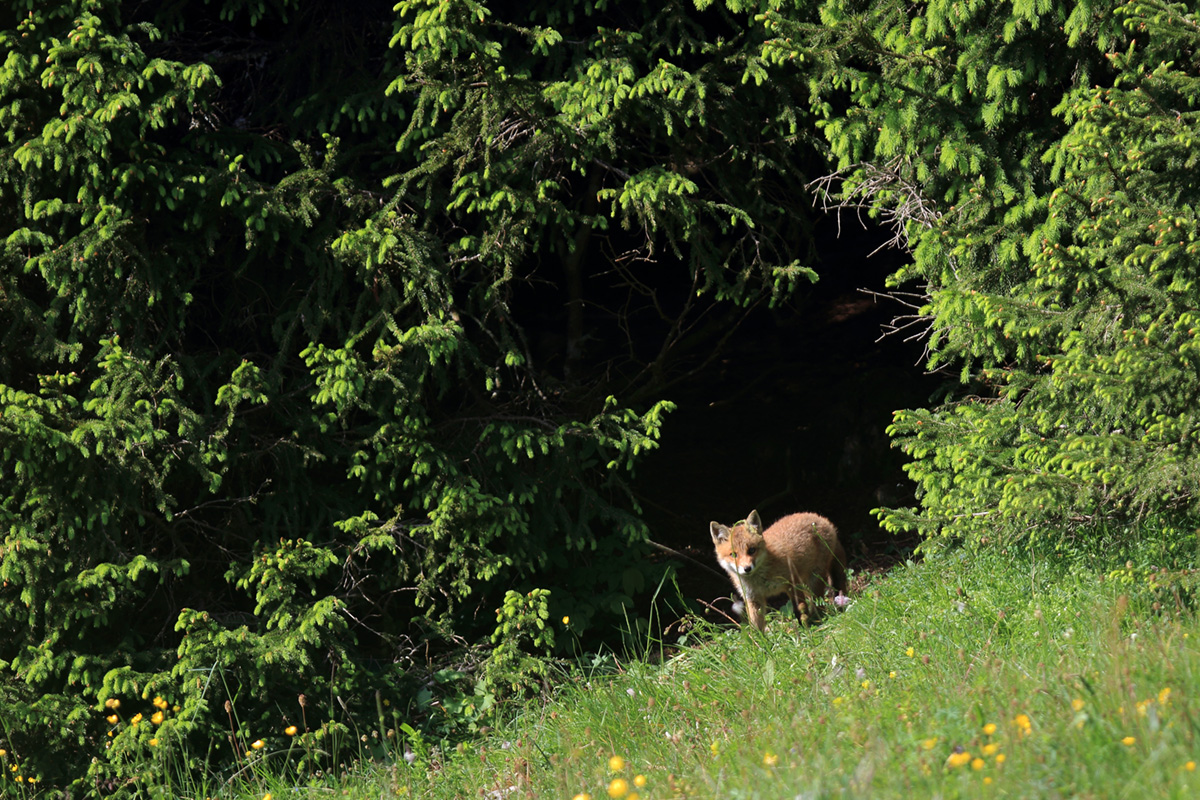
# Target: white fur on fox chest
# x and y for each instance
(758, 584)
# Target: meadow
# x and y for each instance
(1026, 672)
(1021, 673)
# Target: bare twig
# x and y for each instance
(888, 191)
(884, 189)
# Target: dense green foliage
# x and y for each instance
(333, 332)
(1040, 160)
(290, 398)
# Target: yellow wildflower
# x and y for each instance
(157, 719)
(112, 719)
(258, 744)
(639, 781)
(1190, 766)
(616, 764)
(1023, 723)
(1000, 758)
(1164, 695)
(582, 796)
(989, 729)
(1129, 741)
(910, 652)
(770, 759)
(930, 743)
(135, 719)
(977, 764)
(290, 730)
(958, 759)
(990, 749)
(618, 788)
(160, 704)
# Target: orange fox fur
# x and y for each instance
(799, 555)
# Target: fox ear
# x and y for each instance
(719, 532)
(753, 522)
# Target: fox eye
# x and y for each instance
(751, 550)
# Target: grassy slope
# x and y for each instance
(1091, 689)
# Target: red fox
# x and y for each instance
(799, 555)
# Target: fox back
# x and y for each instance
(799, 555)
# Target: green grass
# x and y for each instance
(997, 675)
(1093, 691)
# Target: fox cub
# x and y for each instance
(799, 555)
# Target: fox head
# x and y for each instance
(740, 548)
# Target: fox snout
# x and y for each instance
(745, 568)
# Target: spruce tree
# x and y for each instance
(287, 405)
(1038, 160)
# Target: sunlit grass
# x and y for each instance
(962, 677)
(965, 676)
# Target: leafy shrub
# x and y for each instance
(523, 641)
